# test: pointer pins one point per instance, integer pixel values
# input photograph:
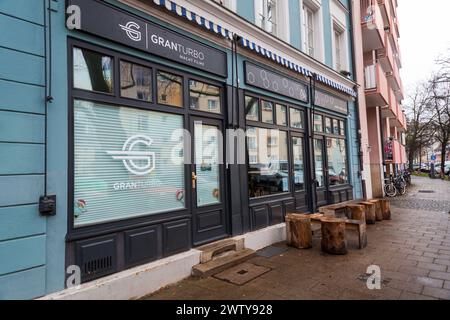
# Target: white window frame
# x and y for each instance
(339, 24)
(338, 50)
(229, 4)
(279, 25)
(315, 7)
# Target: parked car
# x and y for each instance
(437, 168)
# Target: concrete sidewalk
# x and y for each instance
(412, 250)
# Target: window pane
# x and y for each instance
(267, 112)
(336, 128)
(328, 125)
(296, 118)
(207, 151)
(318, 123)
(92, 71)
(319, 158)
(342, 126)
(337, 161)
(170, 89)
(204, 97)
(268, 169)
(299, 166)
(126, 163)
(281, 115)
(135, 81)
(251, 108)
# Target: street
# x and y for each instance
(412, 251)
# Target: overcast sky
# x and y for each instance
(424, 35)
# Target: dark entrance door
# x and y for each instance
(209, 214)
(320, 175)
(299, 174)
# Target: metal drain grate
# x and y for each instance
(242, 273)
(426, 191)
(271, 251)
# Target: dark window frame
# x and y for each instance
(104, 228)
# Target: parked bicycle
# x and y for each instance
(397, 185)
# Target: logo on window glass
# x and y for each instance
(135, 158)
(132, 31)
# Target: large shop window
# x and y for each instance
(268, 168)
(337, 161)
(126, 163)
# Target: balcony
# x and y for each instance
(377, 94)
(386, 56)
(391, 109)
(372, 25)
(385, 12)
(395, 82)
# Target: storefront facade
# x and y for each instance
(138, 119)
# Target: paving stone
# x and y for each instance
(429, 282)
(437, 293)
(432, 266)
(440, 275)
(413, 296)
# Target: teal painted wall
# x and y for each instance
(295, 24)
(328, 47)
(23, 232)
(246, 9)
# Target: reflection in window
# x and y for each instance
(336, 128)
(267, 112)
(319, 161)
(296, 118)
(281, 115)
(299, 178)
(92, 71)
(268, 169)
(328, 125)
(251, 108)
(204, 97)
(318, 123)
(170, 89)
(337, 161)
(135, 81)
(342, 127)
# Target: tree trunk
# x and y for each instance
(333, 236)
(386, 206)
(358, 212)
(371, 215)
(299, 233)
(378, 209)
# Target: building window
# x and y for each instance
(337, 50)
(251, 108)
(229, 4)
(296, 118)
(204, 97)
(170, 89)
(281, 115)
(135, 81)
(318, 123)
(299, 165)
(337, 161)
(328, 125)
(267, 112)
(266, 13)
(309, 30)
(269, 174)
(109, 185)
(92, 71)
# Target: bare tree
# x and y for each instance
(419, 121)
(440, 89)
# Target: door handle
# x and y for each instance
(194, 180)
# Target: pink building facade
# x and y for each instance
(378, 61)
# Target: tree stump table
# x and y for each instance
(371, 215)
(386, 209)
(333, 236)
(299, 232)
(357, 212)
(378, 209)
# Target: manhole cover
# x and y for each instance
(242, 273)
(271, 251)
(426, 191)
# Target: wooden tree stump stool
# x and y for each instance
(378, 209)
(386, 209)
(357, 212)
(371, 215)
(333, 236)
(299, 232)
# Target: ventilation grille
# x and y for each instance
(97, 257)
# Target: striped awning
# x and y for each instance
(214, 27)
